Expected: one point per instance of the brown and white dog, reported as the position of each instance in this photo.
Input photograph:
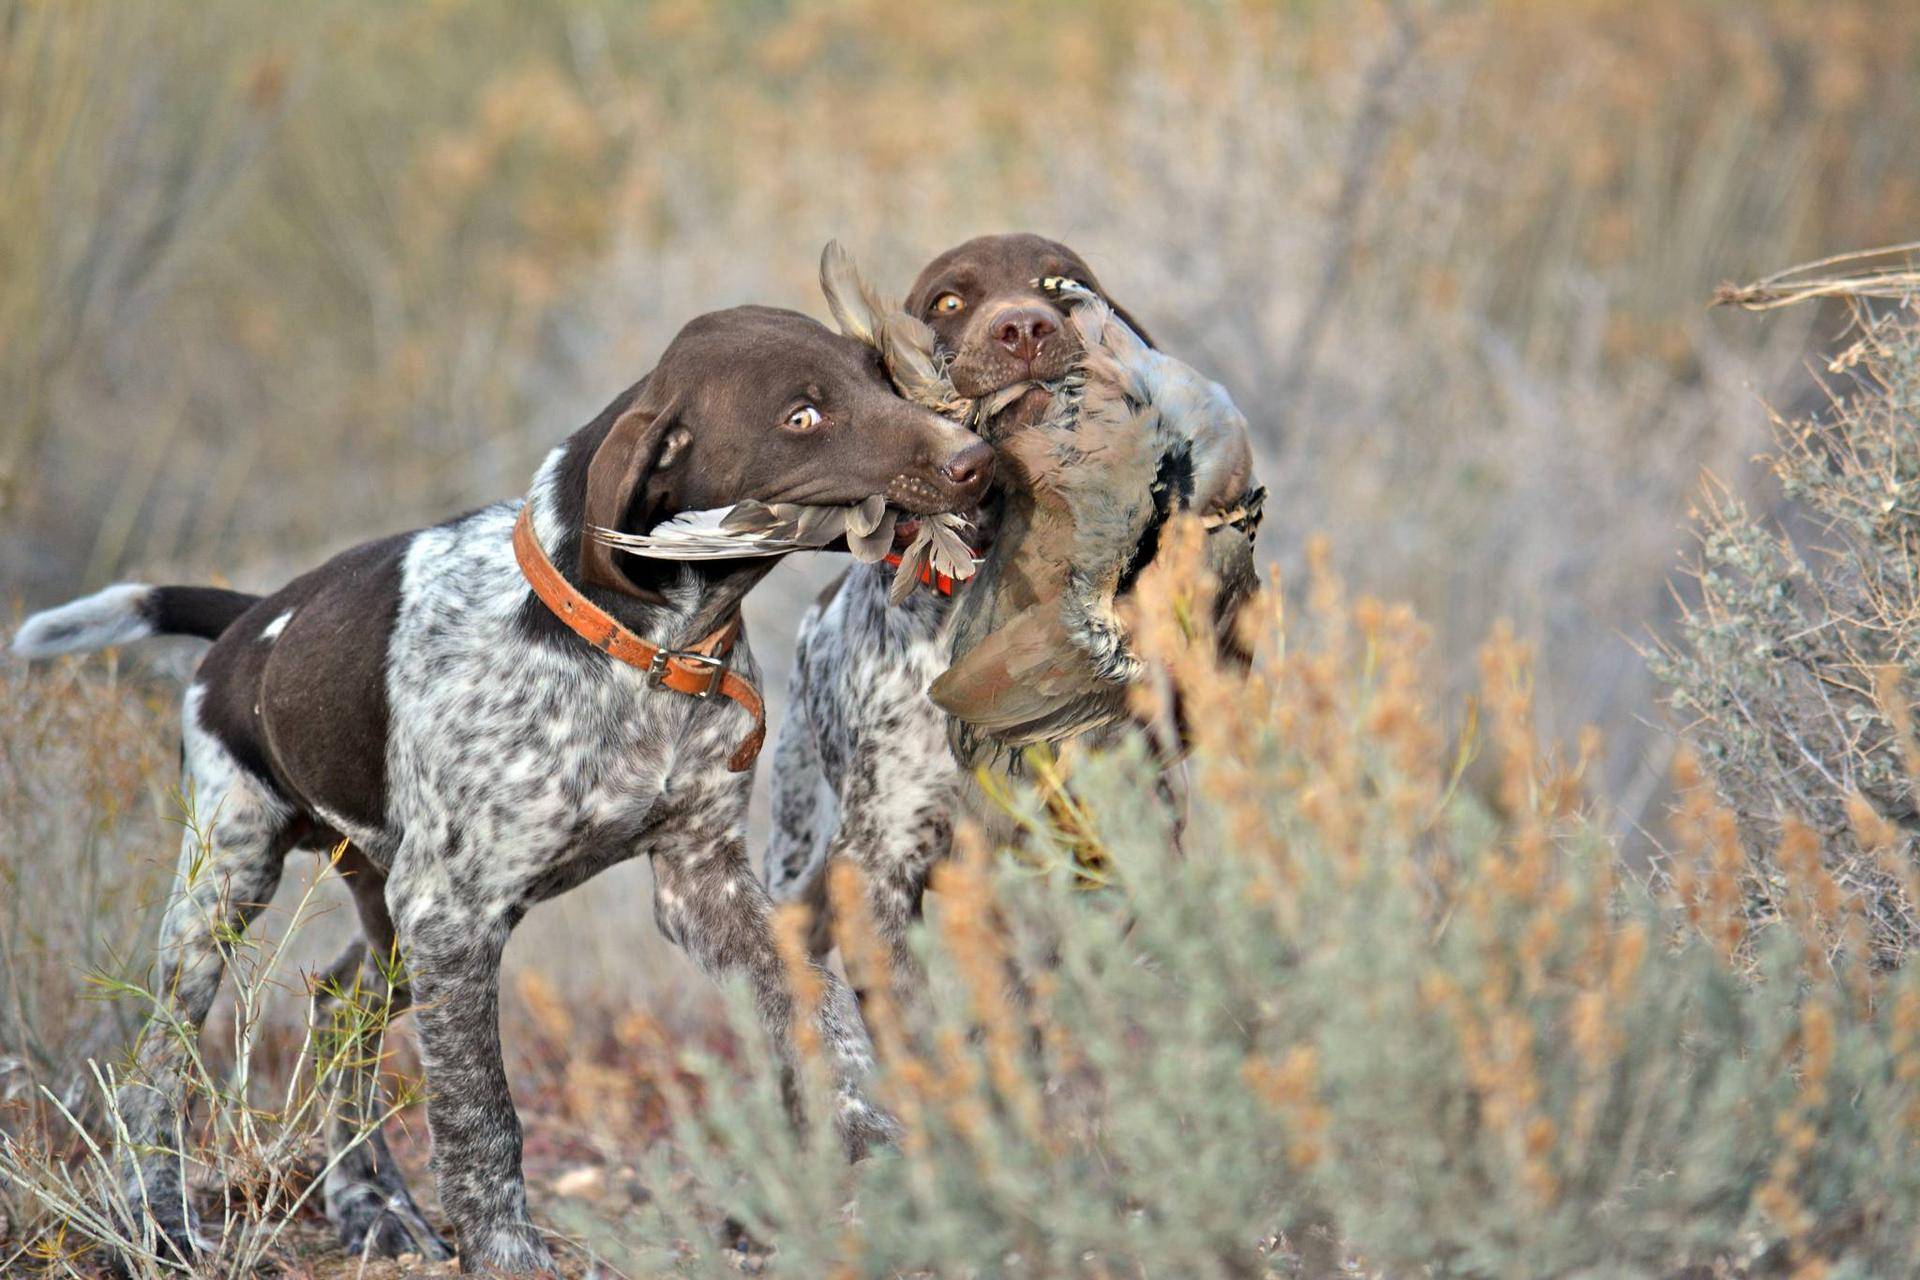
(862, 765)
(414, 698)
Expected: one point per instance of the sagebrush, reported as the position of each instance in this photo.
(1342, 1015)
(1797, 658)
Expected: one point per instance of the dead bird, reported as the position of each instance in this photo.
(871, 530)
(1129, 436)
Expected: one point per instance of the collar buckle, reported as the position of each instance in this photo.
(714, 668)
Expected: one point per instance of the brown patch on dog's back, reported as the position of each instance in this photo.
(324, 690)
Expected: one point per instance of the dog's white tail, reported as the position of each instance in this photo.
(119, 614)
(131, 611)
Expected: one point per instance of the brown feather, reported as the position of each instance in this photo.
(853, 304)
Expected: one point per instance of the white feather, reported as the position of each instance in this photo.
(750, 529)
(697, 535)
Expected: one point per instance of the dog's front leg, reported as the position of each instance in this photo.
(364, 1195)
(707, 899)
(898, 822)
(452, 954)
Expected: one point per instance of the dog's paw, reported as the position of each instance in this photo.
(165, 1228)
(863, 1127)
(513, 1249)
(375, 1221)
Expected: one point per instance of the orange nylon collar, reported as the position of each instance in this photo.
(929, 576)
(699, 672)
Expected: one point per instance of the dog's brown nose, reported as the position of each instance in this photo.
(971, 468)
(1022, 330)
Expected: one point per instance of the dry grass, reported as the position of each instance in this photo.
(255, 1157)
(273, 281)
(1887, 274)
(85, 769)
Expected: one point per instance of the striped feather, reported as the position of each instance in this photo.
(751, 528)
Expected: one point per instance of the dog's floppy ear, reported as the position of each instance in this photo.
(645, 439)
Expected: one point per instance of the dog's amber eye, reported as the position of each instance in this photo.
(948, 303)
(805, 418)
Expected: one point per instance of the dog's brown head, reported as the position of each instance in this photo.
(767, 404)
(985, 309)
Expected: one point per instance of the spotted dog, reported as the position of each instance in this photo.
(415, 699)
(861, 763)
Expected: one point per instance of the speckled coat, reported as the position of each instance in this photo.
(413, 702)
(861, 766)
(517, 763)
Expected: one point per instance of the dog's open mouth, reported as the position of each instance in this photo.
(1031, 405)
(1012, 408)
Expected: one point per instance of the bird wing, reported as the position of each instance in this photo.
(856, 308)
(906, 344)
(1026, 680)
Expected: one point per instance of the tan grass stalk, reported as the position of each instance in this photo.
(1886, 273)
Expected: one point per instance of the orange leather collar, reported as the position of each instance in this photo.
(699, 672)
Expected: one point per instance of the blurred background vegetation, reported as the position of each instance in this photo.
(275, 279)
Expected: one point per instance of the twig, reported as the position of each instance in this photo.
(1812, 280)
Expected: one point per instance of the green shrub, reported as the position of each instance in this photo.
(1793, 665)
(1343, 1013)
